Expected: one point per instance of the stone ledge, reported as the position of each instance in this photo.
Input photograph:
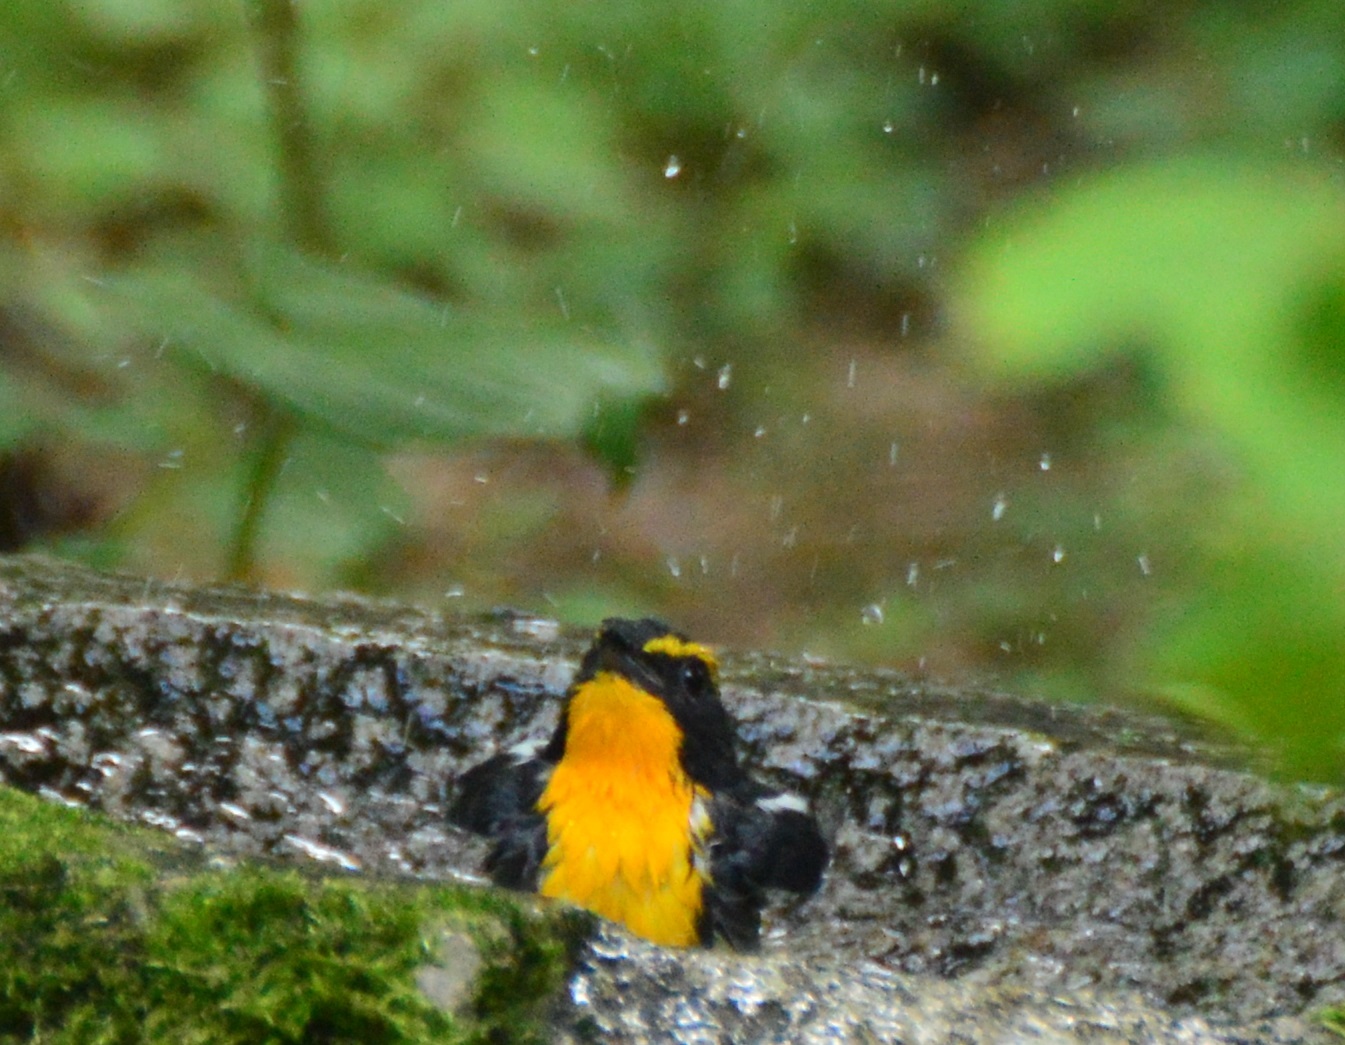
(1016, 858)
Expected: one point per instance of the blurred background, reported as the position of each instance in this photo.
(998, 340)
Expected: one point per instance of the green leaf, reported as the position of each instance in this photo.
(613, 436)
(1260, 649)
(1196, 258)
(1226, 279)
(373, 363)
(1211, 270)
(334, 507)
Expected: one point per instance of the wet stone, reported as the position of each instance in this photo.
(1004, 870)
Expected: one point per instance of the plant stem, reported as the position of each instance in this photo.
(267, 458)
(276, 23)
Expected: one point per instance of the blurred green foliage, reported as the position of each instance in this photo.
(1223, 280)
(976, 336)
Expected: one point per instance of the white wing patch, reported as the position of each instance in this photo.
(701, 828)
(782, 802)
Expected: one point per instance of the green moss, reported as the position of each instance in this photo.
(523, 971)
(109, 934)
(71, 925)
(1333, 1019)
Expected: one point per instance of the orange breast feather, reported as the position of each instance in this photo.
(619, 812)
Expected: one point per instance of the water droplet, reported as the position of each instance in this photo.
(544, 629)
(674, 567)
(725, 376)
(892, 456)
(1045, 462)
(1074, 112)
(1146, 568)
(673, 167)
(871, 614)
(912, 574)
(1058, 554)
(28, 743)
(793, 233)
(1000, 506)
(889, 126)
(454, 591)
(322, 853)
(905, 323)
(759, 431)
(534, 51)
(850, 374)
(160, 820)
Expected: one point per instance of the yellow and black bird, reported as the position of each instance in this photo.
(636, 808)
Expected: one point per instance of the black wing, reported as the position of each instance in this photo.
(498, 798)
(762, 840)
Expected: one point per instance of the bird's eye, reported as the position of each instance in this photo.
(695, 676)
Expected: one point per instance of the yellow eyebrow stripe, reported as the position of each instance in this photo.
(672, 646)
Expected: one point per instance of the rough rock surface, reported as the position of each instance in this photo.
(1004, 870)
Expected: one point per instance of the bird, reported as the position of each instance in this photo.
(637, 808)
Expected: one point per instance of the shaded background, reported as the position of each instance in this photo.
(998, 339)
